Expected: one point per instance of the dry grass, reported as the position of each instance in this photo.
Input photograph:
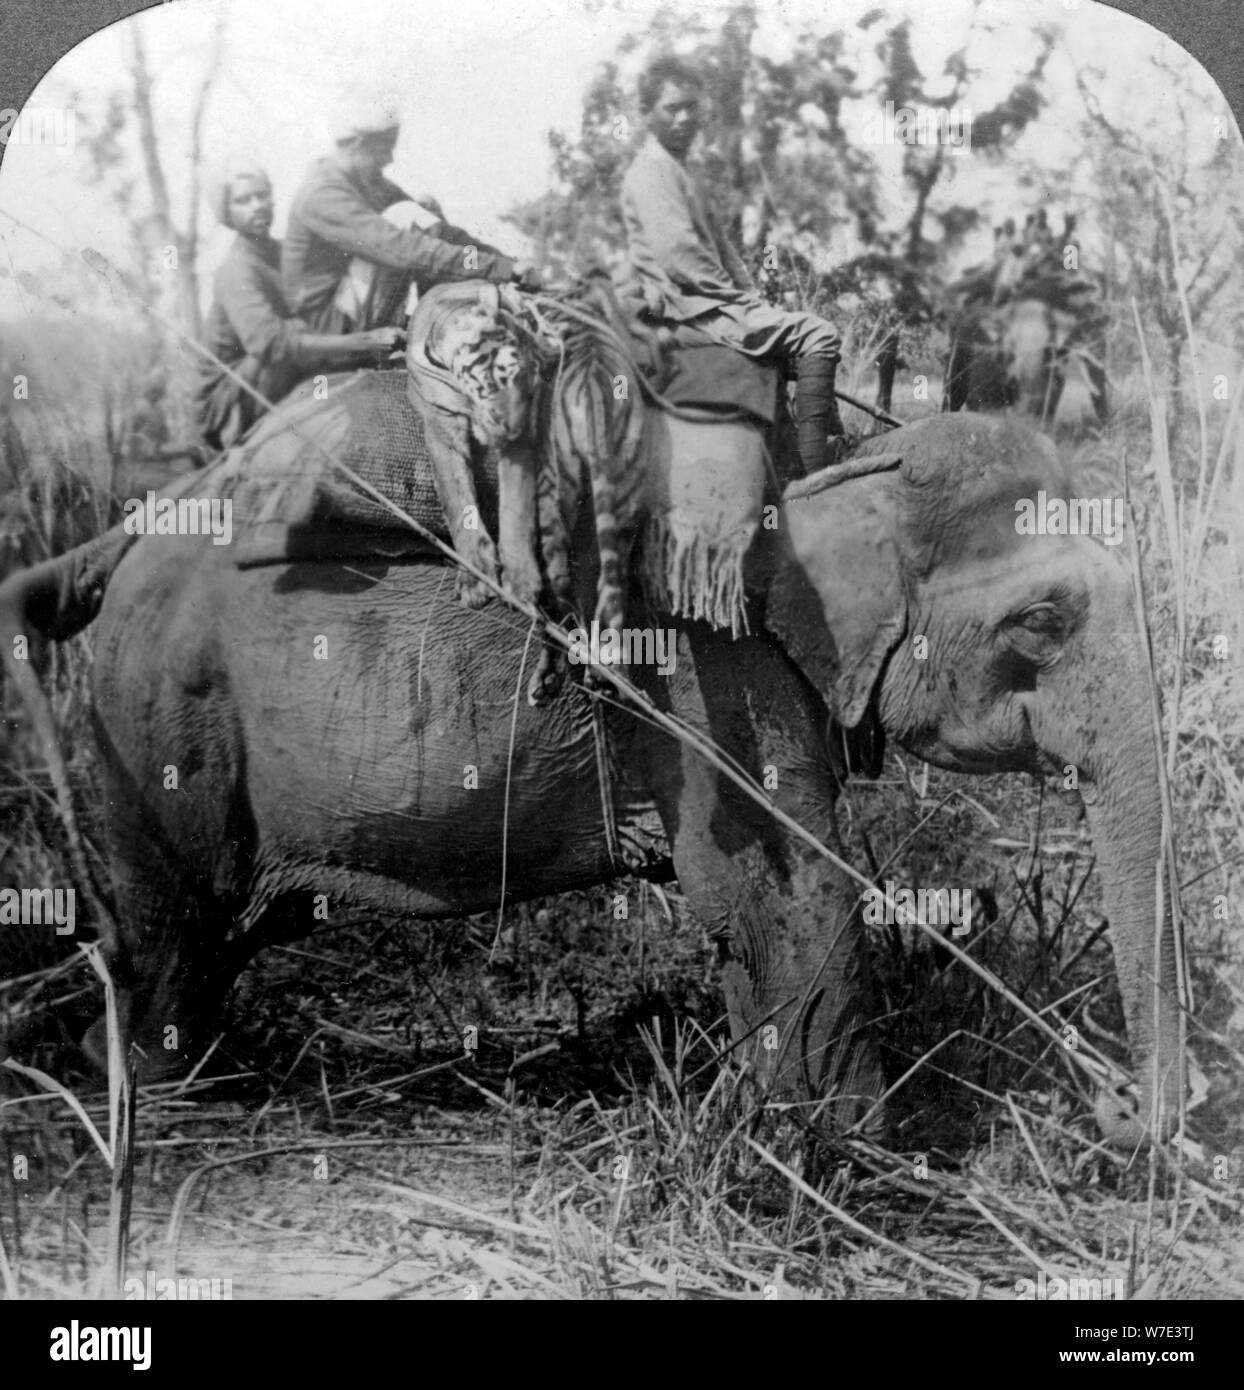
(678, 1186)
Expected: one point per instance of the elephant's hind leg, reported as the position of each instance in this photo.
(171, 968)
(177, 856)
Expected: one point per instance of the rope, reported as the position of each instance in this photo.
(605, 780)
(509, 771)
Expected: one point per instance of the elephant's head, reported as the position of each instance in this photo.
(911, 597)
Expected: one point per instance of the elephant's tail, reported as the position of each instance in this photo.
(54, 601)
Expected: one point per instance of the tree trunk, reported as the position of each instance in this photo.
(730, 80)
(170, 242)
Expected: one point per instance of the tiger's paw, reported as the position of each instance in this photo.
(474, 592)
(522, 579)
(548, 678)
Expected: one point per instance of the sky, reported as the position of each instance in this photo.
(479, 84)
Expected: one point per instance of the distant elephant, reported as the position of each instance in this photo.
(1019, 354)
(1022, 322)
(347, 735)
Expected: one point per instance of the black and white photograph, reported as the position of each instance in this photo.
(621, 661)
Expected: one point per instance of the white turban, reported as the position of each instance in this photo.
(365, 118)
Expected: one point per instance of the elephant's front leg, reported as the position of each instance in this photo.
(794, 962)
(449, 447)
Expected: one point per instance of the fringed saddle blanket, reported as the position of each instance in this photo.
(705, 504)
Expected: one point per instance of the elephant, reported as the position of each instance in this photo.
(320, 737)
(1019, 322)
(1018, 355)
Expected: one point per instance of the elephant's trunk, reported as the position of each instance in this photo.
(1101, 720)
(1128, 843)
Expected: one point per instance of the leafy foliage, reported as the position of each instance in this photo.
(780, 150)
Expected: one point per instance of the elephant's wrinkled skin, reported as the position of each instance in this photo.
(344, 776)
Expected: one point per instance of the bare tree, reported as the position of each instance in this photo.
(178, 249)
(1172, 226)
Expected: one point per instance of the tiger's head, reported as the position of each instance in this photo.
(493, 363)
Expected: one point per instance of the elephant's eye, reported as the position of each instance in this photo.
(1043, 619)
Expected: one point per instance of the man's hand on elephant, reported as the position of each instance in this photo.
(383, 343)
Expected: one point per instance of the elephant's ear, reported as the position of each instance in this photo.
(836, 601)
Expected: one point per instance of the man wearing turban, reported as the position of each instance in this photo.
(345, 264)
(249, 326)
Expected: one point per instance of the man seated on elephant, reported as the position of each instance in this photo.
(687, 273)
(249, 327)
(345, 263)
